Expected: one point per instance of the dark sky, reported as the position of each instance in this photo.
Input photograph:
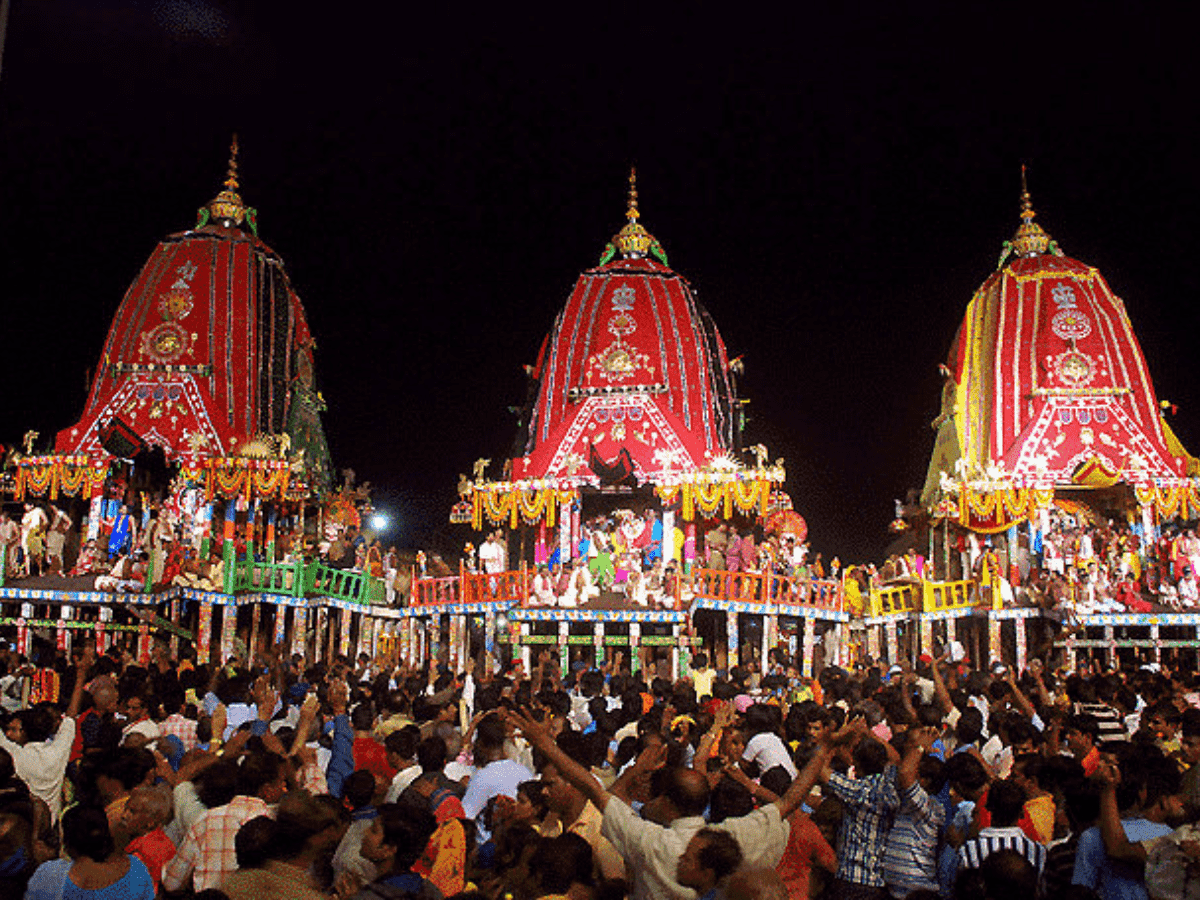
(835, 185)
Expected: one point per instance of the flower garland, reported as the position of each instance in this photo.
(50, 475)
(1170, 500)
(998, 509)
(229, 477)
(744, 496)
(516, 505)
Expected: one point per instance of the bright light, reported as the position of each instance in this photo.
(379, 521)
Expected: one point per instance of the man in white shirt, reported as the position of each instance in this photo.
(42, 745)
(652, 851)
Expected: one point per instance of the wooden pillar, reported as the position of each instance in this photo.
(433, 648)
(228, 550)
(1070, 651)
(320, 621)
(456, 642)
(1110, 646)
(100, 646)
(63, 635)
(406, 640)
(489, 632)
(732, 638)
(228, 630)
(347, 617)
(1022, 643)
(204, 632)
(893, 649)
(174, 610)
(926, 634)
(1157, 644)
(143, 643)
(251, 516)
(255, 624)
(564, 648)
(564, 533)
(951, 631)
(873, 641)
(279, 635)
(675, 653)
(269, 537)
(809, 642)
(635, 640)
(994, 648)
(204, 524)
(598, 643)
(300, 630)
(524, 646)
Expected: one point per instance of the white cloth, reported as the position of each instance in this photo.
(402, 780)
(42, 766)
(651, 852)
(768, 751)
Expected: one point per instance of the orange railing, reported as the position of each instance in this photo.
(503, 587)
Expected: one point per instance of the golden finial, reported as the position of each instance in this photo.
(633, 240)
(632, 213)
(1030, 239)
(228, 204)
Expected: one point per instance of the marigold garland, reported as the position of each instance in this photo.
(516, 505)
(50, 476)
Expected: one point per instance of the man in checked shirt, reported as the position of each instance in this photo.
(871, 800)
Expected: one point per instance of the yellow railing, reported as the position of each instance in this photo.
(940, 596)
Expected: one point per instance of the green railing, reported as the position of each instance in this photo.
(269, 578)
(300, 579)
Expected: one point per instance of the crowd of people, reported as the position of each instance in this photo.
(278, 777)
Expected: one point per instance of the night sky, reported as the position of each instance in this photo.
(834, 185)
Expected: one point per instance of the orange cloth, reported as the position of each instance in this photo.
(806, 848)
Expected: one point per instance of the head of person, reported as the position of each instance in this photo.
(756, 883)
(966, 775)
(710, 857)
(1005, 801)
(558, 862)
(490, 735)
(397, 837)
(148, 808)
(1007, 875)
(1081, 733)
(870, 757)
(305, 827)
(86, 834)
(262, 775)
(682, 793)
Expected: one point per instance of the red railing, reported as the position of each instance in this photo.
(707, 584)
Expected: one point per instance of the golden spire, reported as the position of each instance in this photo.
(228, 204)
(1030, 239)
(633, 240)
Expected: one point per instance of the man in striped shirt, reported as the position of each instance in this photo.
(1005, 801)
(910, 858)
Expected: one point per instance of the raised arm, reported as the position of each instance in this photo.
(919, 742)
(540, 737)
(813, 772)
(1116, 842)
(941, 696)
(81, 670)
